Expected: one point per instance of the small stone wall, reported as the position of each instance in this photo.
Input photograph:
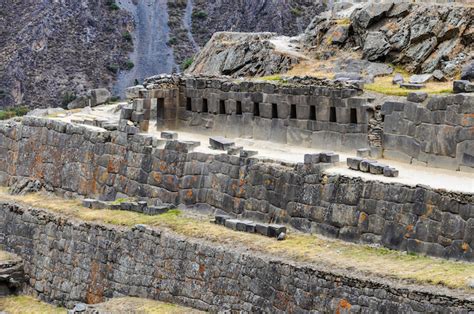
(439, 134)
(69, 262)
(77, 160)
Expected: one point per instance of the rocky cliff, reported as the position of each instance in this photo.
(53, 50)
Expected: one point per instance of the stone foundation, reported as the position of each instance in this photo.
(69, 262)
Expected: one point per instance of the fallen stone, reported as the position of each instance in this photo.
(463, 86)
(420, 78)
(376, 46)
(275, 230)
(364, 165)
(248, 153)
(79, 102)
(329, 157)
(390, 172)
(412, 86)
(468, 72)
(169, 135)
(346, 76)
(354, 163)
(417, 97)
(221, 219)
(234, 150)
(376, 168)
(281, 236)
(363, 152)
(79, 308)
(99, 96)
(232, 223)
(100, 205)
(397, 79)
(439, 76)
(156, 210)
(312, 159)
(340, 34)
(262, 229)
(220, 143)
(88, 202)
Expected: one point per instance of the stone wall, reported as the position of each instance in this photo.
(323, 114)
(439, 134)
(69, 262)
(76, 159)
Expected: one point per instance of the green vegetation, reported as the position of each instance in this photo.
(13, 112)
(114, 68)
(200, 14)
(172, 41)
(129, 65)
(380, 262)
(384, 85)
(187, 63)
(274, 78)
(27, 304)
(296, 11)
(68, 97)
(112, 5)
(136, 82)
(127, 36)
(343, 22)
(114, 99)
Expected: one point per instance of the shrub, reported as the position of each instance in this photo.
(200, 14)
(129, 65)
(114, 99)
(172, 41)
(68, 97)
(114, 68)
(127, 36)
(112, 5)
(296, 11)
(13, 112)
(187, 63)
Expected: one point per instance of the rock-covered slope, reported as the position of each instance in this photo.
(419, 37)
(51, 50)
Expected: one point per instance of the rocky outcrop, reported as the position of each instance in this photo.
(420, 37)
(53, 51)
(242, 54)
(11, 274)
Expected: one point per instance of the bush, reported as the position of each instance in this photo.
(114, 99)
(296, 12)
(129, 65)
(127, 36)
(114, 68)
(200, 14)
(187, 63)
(13, 112)
(172, 41)
(112, 5)
(68, 97)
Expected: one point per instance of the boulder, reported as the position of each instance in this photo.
(420, 78)
(412, 86)
(340, 34)
(439, 76)
(133, 92)
(397, 79)
(347, 76)
(354, 163)
(468, 72)
(79, 102)
(371, 13)
(463, 86)
(169, 135)
(376, 46)
(99, 96)
(220, 143)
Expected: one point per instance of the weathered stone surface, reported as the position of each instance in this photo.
(412, 86)
(354, 163)
(220, 143)
(99, 96)
(169, 135)
(420, 79)
(376, 46)
(417, 97)
(463, 86)
(397, 79)
(468, 72)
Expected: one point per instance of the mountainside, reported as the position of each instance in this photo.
(52, 50)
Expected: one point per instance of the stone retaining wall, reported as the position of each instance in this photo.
(76, 159)
(439, 134)
(69, 262)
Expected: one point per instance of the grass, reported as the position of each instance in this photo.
(379, 262)
(13, 112)
(187, 63)
(273, 78)
(5, 256)
(343, 22)
(384, 85)
(26, 304)
(136, 305)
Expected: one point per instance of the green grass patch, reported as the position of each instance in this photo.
(383, 85)
(187, 63)
(127, 36)
(13, 112)
(200, 14)
(129, 65)
(296, 12)
(27, 304)
(273, 78)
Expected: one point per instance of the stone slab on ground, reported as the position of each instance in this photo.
(220, 143)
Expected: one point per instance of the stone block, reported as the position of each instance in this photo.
(329, 157)
(364, 165)
(234, 150)
(169, 135)
(463, 86)
(376, 168)
(126, 113)
(220, 143)
(420, 78)
(417, 97)
(99, 96)
(390, 172)
(312, 158)
(275, 230)
(157, 210)
(363, 152)
(138, 116)
(232, 223)
(262, 229)
(88, 202)
(354, 163)
(221, 219)
(248, 153)
(412, 86)
(250, 226)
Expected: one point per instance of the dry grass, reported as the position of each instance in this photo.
(142, 306)
(384, 85)
(299, 247)
(5, 256)
(26, 304)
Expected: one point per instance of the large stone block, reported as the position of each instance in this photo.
(99, 96)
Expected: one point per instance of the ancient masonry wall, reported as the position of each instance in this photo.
(69, 262)
(75, 159)
(439, 134)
